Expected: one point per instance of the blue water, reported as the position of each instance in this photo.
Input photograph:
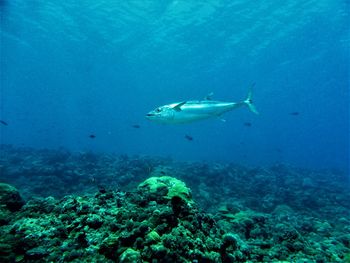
(70, 69)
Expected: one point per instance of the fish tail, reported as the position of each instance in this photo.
(249, 101)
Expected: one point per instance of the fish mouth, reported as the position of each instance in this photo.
(149, 115)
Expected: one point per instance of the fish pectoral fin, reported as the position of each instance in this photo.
(208, 97)
(220, 118)
(177, 107)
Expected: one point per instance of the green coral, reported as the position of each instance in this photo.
(167, 187)
(152, 237)
(130, 255)
(347, 258)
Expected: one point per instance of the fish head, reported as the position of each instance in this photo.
(163, 114)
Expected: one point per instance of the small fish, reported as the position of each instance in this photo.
(92, 136)
(294, 113)
(136, 126)
(195, 110)
(188, 137)
(4, 122)
(247, 124)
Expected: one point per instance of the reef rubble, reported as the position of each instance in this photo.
(89, 207)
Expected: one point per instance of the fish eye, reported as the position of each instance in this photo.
(158, 110)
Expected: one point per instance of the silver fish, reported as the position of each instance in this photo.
(195, 110)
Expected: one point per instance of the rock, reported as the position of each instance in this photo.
(5, 217)
(94, 221)
(109, 245)
(10, 198)
(159, 251)
(230, 240)
(6, 249)
(308, 183)
(36, 253)
(130, 256)
(152, 237)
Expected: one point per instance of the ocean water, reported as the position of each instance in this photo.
(69, 70)
(86, 177)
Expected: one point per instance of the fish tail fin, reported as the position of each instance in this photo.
(249, 101)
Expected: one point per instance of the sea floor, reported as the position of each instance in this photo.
(58, 206)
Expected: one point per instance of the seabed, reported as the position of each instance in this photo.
(58, 206)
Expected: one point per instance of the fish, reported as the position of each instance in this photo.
(247, 124)
(294, 113)
(188, 137)
(92, 136)
(136, 126)
(4, 122)
(195, 110)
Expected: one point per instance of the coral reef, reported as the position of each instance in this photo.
(166, 186)
(84, 207)
(113, 226)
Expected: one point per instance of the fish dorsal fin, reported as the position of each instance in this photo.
(177, 107)
(208, 97)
